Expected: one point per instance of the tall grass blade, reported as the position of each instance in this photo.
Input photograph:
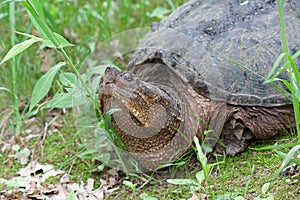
(7, 90)
(202, 158)
(14, 67)
(275, 146)
(287, 160)
(294, 71)
(272, 74)
(276, 87)
(39, 22)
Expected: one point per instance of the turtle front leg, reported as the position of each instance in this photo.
(245, 124)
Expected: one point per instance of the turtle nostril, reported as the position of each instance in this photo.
(108, 69)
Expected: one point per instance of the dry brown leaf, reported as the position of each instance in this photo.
(38, 172)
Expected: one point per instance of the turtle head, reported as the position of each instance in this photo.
(145, 110)
(156, 120)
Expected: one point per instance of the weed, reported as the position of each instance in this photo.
(293, 84)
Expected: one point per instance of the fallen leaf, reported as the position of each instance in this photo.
(35, 170)
(65, 178)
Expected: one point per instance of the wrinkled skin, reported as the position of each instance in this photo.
(159, 115)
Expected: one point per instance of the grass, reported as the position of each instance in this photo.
(85, 24)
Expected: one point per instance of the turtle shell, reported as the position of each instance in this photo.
(224, 48)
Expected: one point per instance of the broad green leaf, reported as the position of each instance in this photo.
(88, 154)
(104, 158)
(62, 41)
(43, 85)
(101, 167)
(171, 4)
(19, 48)
(129, 184)
(95, 84)
(145, 196)
(67, 79)
(200, 176)
(16, 147)
(182, 181)
(71, 196)
(160, 12)
(265, 188)
(67, 100)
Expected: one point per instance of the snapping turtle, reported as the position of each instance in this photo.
(185, 78)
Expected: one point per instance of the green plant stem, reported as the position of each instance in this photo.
(46, 30)
(285, 47)
(91, 95)
(12, 22)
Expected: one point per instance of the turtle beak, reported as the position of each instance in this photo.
(110, 75)
(107, 85)
(108, 81)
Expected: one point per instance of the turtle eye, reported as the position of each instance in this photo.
(127, 76)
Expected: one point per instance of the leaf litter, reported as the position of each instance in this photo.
(30, 184)
(31, 181)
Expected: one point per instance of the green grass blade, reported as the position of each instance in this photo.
(285, 47)
(7, 90)
(273, 70)
(294, 69)
(283, 155)
(276, 146)
(43, 85)
(280, 90)
(107, 121)
(19, 48)
(287, 84)
(201, 157)
(287, 160)
(11, 1)
(67, 100)
(182, 181)
(296, 55)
